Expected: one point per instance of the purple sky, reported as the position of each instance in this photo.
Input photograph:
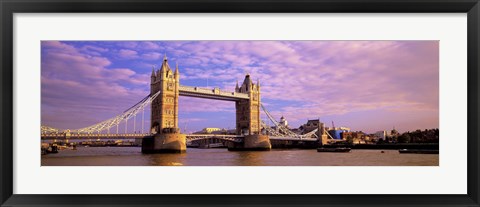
(364, 85)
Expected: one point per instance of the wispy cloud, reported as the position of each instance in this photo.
(128, 54)
(152, 56)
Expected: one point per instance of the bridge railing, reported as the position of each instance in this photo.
(214, 91)
(292, 138)
(213, 135)
(233, 138)
(73, 136)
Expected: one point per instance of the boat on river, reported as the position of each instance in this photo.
(418, 151)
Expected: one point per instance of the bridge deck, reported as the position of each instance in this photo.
(190, 137)
(215, 93)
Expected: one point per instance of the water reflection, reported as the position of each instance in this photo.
(255, 158)
(167, 159)
(132, 156)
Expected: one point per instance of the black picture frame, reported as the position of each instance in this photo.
(10, 7)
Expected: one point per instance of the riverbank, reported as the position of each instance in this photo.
(429, 146)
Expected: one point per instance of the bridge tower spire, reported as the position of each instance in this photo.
(177, 74)
(153, 75)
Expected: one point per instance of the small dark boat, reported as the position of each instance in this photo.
(418, 151)
(340, 149)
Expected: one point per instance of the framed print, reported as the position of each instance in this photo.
(200, 103)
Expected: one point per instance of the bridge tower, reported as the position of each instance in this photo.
(164, 113)
(248, 117)
(248, 111)
(164, 109)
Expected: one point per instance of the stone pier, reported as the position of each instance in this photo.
(255, 142)
(165, 143)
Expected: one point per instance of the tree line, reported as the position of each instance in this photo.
(418, 136)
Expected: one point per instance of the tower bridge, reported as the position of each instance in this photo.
(164, 111)
(164, 133)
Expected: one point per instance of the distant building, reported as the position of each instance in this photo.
(283, 122)
(310, 125)
(387, 135)
(355, 137)
(345, 129)
(210, 130)
(225, 131)
(336, 134)
(381, 135)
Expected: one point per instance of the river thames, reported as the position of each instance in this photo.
(132, 156)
